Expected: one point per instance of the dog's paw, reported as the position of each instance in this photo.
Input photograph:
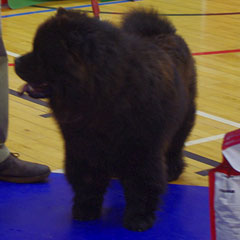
(85, 214)
(139, 223)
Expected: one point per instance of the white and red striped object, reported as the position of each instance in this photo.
(224, 187)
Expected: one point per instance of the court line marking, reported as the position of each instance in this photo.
(216, 137)
(203, 173)
(28, 98)
(160, 14)
(216, 52)
(200, 158)
(12, 54)
(218, 119)
(50, 9)
(76, 7)
(199, 14)
(204, 140)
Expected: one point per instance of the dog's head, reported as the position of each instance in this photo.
(60, 47)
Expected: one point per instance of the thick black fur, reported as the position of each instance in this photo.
(124, 100)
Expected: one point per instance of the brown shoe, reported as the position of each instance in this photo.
(18, 171)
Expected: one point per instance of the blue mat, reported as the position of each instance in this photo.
(43, 211)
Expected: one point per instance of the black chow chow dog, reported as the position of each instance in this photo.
(124, 99)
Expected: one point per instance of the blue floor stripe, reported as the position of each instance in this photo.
(51, 10)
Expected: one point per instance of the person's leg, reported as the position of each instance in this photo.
(4, 152)
(12, 169)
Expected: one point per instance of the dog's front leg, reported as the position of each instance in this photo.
(89, 186)
(87, 202)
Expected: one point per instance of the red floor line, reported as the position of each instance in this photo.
(216, 52)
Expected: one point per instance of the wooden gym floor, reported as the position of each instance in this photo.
(211, 28)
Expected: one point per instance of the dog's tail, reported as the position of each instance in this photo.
(147, 23)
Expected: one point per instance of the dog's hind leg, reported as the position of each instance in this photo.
(143, 182)
(174, 156)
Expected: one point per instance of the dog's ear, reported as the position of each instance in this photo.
(61, 11)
